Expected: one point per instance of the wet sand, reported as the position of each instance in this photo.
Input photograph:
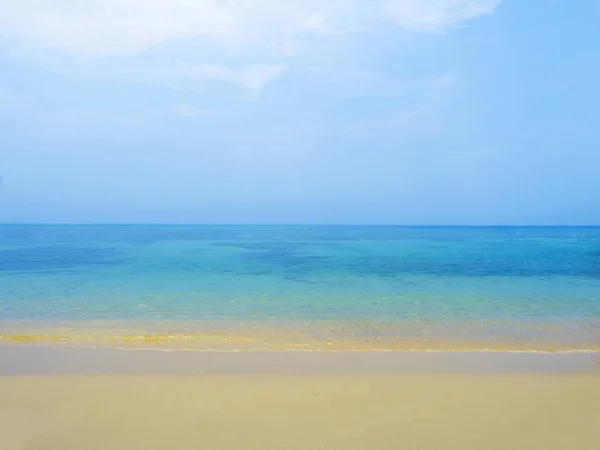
(566, 335)
(29, 359)
(78, 399)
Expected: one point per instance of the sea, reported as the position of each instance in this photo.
(317, 288)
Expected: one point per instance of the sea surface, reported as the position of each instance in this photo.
(301, 287)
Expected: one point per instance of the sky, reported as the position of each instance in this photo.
(408, 112)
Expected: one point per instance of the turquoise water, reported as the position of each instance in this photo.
(232, 277)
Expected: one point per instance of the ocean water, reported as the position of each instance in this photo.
(302, 287)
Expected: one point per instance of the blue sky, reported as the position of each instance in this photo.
(300, 111)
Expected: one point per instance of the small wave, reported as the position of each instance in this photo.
(325, 350)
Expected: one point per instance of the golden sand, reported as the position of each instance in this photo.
(268, 412)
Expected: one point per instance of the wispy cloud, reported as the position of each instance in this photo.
(188, 110)
(188, 77)
(436, 15)
(116, 27)
(241, 42)
(253, 77)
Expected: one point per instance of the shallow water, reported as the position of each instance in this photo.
(302, 286)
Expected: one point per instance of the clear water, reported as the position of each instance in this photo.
(381, 282)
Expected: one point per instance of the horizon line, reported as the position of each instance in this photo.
(299, 225)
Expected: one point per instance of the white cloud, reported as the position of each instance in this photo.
(316, 22)
(124, 27)
(244, 42)
(115, 27)
(436, 15)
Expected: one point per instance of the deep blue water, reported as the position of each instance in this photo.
(298, 273)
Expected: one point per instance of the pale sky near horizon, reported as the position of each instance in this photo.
(300, 111)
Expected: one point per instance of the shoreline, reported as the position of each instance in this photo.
(514, 336)
(65, 360)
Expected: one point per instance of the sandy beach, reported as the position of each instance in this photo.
(310, 412)
(265, 401)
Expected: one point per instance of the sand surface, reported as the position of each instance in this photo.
(269, 412)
